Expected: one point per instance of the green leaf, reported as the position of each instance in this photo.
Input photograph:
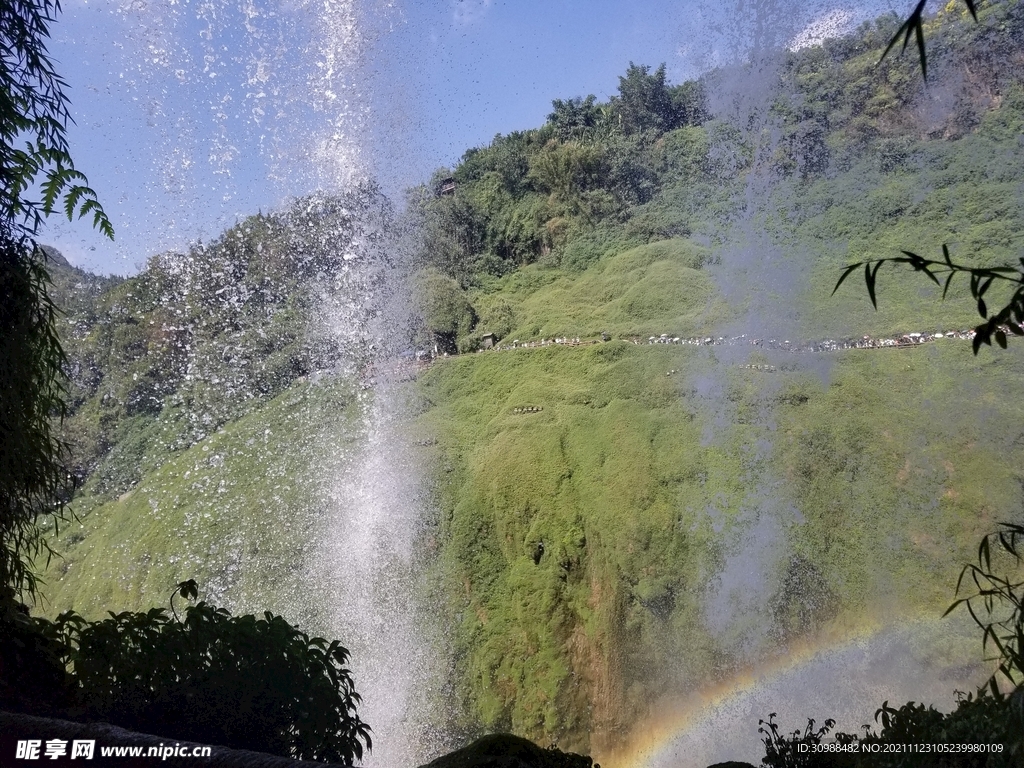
(945, 288)
(919, 30)
(869, 278)
(913, 24)
(846, 274)
(953, 607)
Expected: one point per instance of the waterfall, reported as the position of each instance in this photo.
(227, 108)
(371, 577)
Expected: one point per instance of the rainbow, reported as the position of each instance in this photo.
(691, 732)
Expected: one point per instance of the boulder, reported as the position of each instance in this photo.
(503, 750)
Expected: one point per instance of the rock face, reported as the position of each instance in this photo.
(503, 750)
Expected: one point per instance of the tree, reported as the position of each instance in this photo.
(644, 102)
(237, 681)
(575, 118)
(211, 677)
(34, 152)
(445, 310)
(566, 169)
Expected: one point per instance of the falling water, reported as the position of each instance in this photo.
(372, 576)
(369, 562)
(249, 105)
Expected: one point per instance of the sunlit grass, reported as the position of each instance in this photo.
(238, 512)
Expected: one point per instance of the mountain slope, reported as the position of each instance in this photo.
(240, 511)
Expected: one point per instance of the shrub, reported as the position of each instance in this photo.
(235, 681)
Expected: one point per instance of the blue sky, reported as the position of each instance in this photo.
(191, 114)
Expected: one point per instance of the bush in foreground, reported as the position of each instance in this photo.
(235, 681)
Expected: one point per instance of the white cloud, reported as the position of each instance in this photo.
(835, 23)
(469, 11)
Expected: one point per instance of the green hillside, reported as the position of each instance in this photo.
(239, 512)
(639, 292)
(597, 493)
(592, 503)
(887, 477)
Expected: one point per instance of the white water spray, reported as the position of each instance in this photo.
(372, 578)
(248, 105)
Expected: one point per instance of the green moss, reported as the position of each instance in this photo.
(650, 289)
(632, 483)
(238, 512)
(575, 537)
(900, 465)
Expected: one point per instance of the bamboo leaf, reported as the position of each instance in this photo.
(905, 30)
(846, 274)
(869, 279)
(945, 289)
(919, 30)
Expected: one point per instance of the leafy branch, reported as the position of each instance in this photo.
(34, 108)
(34, 153)
(1002, 631)
(914, 25)
(782, 751)
(1009, 317)
(188, 590)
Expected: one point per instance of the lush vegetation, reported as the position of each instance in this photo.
(858, 160)
(181, 478)
(240, 511)
(164, 359)
(590, 498)
(581, 541)
(144, 670)
(592, 493)
(243, 682)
